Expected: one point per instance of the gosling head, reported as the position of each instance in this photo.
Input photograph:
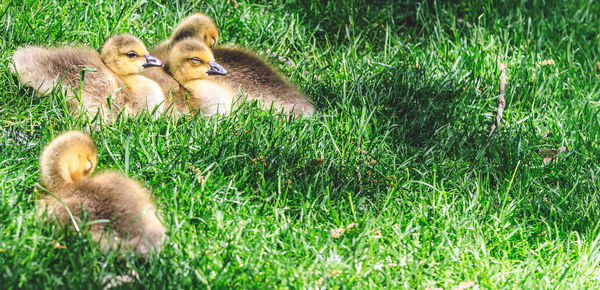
(199, 26)
(67, 159)
(126, 54)
(190, 59)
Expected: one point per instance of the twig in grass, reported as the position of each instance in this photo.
(501, 100)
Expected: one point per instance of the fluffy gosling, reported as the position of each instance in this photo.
(112, 73)
(66, 167)
(191, 63)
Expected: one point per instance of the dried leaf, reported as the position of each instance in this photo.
(350, 226)
(317, 161)
(331, 273)
(550, 154)
(199, 176)
(259, 160)
(336, 232)
(466, 285)
(546, 62)
(335, 272)
(119, 280)
(376, 233)
(320, 281)
(58, 245)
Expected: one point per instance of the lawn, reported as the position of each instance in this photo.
(393, 183)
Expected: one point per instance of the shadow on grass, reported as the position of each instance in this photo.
(335, 21)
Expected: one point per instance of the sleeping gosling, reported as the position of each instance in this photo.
(66, 167)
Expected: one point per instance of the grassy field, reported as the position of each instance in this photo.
(398, 154)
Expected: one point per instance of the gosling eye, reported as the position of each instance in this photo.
(213, 41)
(196, 60)
(131, 54)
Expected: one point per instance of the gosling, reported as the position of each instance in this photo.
(197, 25)
(66, 167)
(176, 96)
(191, 63)
(113, 73)
(247, 71)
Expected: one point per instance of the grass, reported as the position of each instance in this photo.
(405, 92)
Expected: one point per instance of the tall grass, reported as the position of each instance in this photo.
(398, 152)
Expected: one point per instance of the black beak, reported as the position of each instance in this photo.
(152, 61)
(216, 69)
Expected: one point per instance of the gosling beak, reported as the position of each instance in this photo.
(152, 61)
(216, 69)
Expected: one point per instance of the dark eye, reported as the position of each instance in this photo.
(131, 54)
(196, 60)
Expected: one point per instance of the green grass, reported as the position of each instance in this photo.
(406, 82)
